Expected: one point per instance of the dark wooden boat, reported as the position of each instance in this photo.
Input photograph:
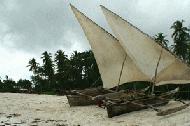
(80, 100)
(85, 97)
(122, 106)
(93, 96)
(116, 108)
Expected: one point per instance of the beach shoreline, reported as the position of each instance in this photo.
(51, 110)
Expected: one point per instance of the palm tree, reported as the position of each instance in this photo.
(76, 66)
(181, 38)
(48, 70)
(33, 66)
(62, 69)
(91, 69)
(61, 61)
(160, 38)
(48, 66)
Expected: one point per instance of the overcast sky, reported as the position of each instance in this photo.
(29, 27)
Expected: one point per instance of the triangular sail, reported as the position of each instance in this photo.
(109, 54)
(145, 52)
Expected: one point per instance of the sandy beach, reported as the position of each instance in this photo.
(47, 110)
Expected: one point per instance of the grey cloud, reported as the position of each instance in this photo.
(36, 25)
(151, 16)
(28, 27)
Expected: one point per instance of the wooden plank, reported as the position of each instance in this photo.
(172, 110)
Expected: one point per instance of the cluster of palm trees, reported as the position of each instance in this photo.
(78, 71)
(181, 39)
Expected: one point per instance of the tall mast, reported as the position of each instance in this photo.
(155, 75)
(121, 72)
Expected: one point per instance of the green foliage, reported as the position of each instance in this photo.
(62, 62)
(160, 38)
(77, 72)
(181, 39)
(48, 66)
(8, 85)
(24, 84)
(33, 66)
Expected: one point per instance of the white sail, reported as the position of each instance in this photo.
(176, 73)
(109, 54)
(145, 52)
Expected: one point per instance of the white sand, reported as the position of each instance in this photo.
(47, 110)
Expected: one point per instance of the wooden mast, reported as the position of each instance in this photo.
(155, 75)
(121, 72)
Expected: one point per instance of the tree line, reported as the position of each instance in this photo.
(80, 70)
(59, 73)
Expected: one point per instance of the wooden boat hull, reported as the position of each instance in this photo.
(80, 100)
(84, 97)
(92, 97)
(116, 109)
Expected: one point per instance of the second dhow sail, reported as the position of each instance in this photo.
(109, 54)
(145, 52)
